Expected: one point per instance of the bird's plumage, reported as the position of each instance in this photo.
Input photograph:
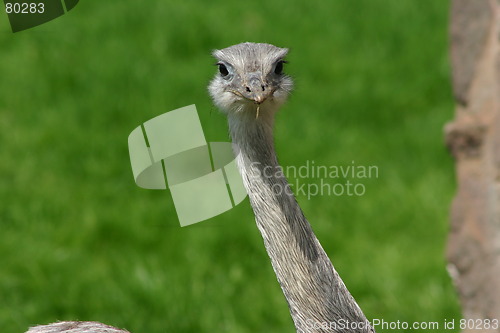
(317, 297)
(249, 88)
(76, 327)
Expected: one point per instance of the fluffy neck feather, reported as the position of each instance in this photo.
(314, 291)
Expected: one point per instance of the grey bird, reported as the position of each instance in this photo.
(249, 87)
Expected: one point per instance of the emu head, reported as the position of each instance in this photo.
(250, 77)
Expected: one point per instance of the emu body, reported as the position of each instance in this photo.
(249, 88)
(317, 297)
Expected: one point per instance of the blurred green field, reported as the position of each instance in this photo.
(78, 239)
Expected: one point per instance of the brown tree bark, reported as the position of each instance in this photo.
(474, 140)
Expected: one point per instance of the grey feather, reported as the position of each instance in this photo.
(318, 299)
(250, 94)
(75, 327)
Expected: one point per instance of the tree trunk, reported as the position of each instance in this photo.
(474, 140)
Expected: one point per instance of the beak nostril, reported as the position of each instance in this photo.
(248, 89)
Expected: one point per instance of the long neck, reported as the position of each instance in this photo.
(317, 297)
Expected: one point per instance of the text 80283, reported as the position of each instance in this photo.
(25, 8)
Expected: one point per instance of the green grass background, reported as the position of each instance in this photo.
(78, 239)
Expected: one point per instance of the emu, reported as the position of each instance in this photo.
(249, 88)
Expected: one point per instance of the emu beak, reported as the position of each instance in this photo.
(255, 89)
(259, 94)
(260, 98)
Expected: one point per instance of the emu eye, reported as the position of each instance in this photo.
(279, 67)
(223, 69)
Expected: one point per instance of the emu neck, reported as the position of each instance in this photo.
(317, 297)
